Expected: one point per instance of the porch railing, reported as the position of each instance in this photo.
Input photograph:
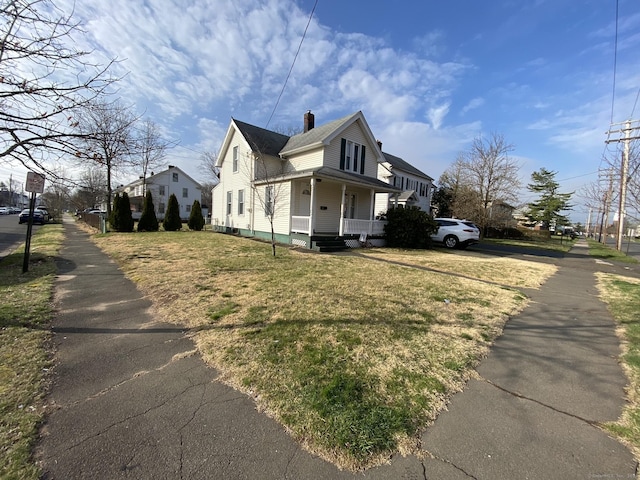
(371, 227)
(301, 225)
(351, 226)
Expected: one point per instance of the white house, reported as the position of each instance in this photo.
(317, 189)
(417, 187)
(162, 185)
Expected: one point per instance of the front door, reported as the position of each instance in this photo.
(350, 205)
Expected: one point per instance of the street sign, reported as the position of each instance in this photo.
(35, 182)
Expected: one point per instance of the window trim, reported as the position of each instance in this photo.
(234, 159)
(352, 156)
(241, 202)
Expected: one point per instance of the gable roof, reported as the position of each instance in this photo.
(316, 136)
(260, 139)
(151, 178)
(400, 164)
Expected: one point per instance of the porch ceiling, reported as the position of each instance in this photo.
(336, 175)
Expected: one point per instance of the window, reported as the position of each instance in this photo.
(268, 201)
(235, 159)
(188, 208)
(229, 198)
(161, 190)
(240, 202)
(161, 208)
(185, 193)
(175, 176)
(352, 156)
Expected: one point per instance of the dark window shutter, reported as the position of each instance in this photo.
(362, 160)
(343, 147)
(355, 157)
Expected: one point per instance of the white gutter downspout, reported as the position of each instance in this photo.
(372, 211)
(312, 207)
(342, 207)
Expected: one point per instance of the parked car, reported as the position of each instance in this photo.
(38, 217)
(45, 213)
(5, 211)
(456, 233)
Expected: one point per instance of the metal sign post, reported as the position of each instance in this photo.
(35, 184)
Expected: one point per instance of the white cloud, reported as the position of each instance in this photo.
(436, 115)
(473, 104)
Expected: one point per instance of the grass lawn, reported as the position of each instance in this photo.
(354, 354)
(25, 312)
(555, 242)
(600, 250)
(622, 295)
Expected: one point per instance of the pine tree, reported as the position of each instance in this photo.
(148, 221)
(196, 220)
(124, 212)
(172, 221)
(546, 210)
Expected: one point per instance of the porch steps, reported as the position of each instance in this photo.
(328, 244)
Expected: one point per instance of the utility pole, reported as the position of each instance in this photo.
(606, 205)
(624, 171)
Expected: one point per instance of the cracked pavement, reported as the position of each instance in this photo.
(131, 398)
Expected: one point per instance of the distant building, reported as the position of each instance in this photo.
(162, 185)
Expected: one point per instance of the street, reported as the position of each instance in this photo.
(12, 234)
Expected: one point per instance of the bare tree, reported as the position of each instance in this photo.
(269, 189)
(108, 138)
(91, 188)
(211, 175)
(43, 82)
(150, 150)
(57, 195)
(464, 200)
(485, 175)
(265, 173)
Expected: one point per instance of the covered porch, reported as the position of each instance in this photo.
(330, 202)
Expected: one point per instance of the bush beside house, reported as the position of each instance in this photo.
(409, 227)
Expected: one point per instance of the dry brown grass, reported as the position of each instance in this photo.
(288, 329)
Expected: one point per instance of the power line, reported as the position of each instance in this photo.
(615, 62)
(304, 34)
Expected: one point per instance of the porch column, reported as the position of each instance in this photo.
(372, 212)
(312, 207)
(342, 207)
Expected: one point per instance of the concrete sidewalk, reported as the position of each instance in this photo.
(132, 399)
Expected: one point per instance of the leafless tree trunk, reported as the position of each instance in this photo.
(44, 80)
(209, 169)
(269, 189)
(481, 176)
(91, 189)
(150, 150)
(108, 138)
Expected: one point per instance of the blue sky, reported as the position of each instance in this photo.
(429, 76)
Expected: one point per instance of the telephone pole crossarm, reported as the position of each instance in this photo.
(624, 168)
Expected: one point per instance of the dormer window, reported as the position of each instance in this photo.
(352, 156)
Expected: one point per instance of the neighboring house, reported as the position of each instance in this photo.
(502, 215)
(162, 185)
(318, 186)
(417, 187)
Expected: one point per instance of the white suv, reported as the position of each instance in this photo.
(456, 233)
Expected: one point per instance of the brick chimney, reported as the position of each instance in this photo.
(309, 121)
